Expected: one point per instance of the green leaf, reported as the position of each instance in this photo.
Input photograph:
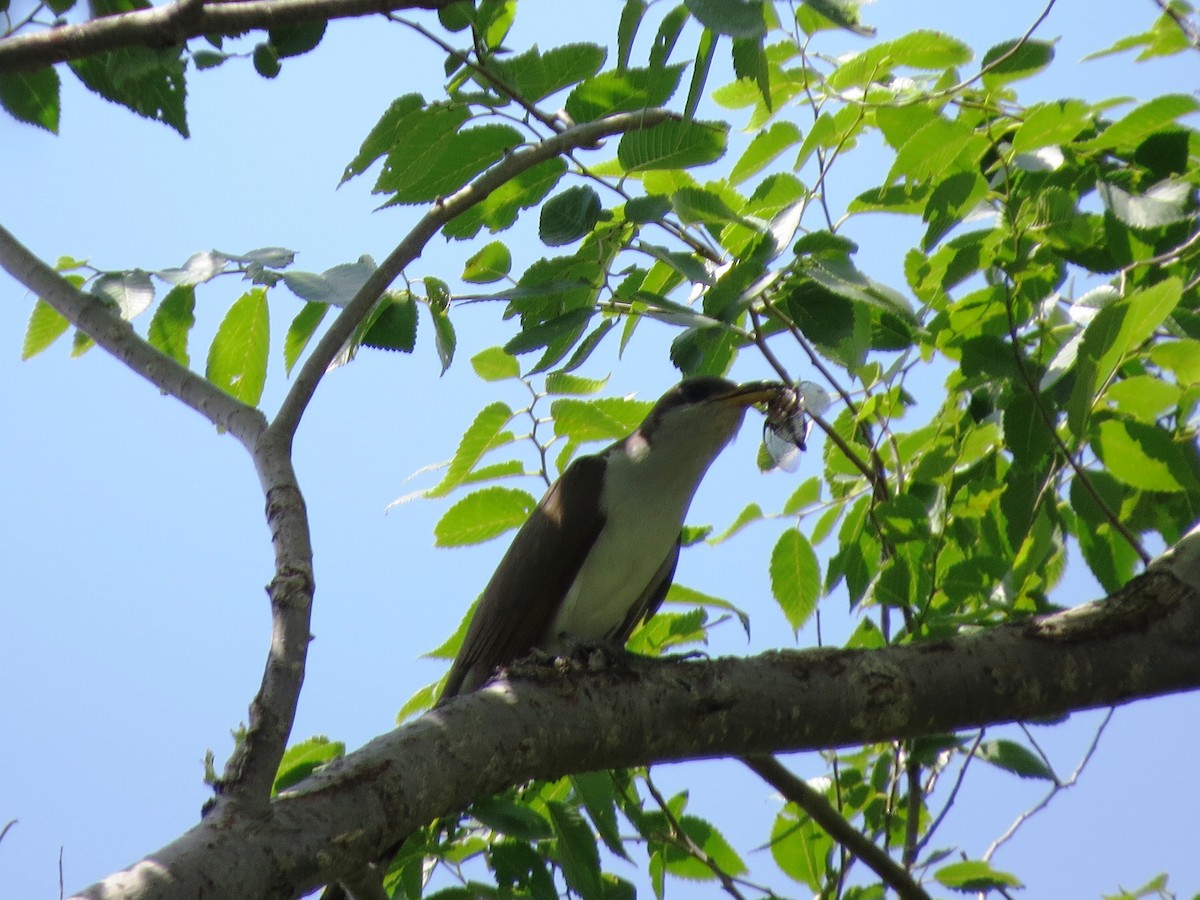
(486, 433)
(208, 59)
(808, 494)
(1015, 758)
(433, 156)
(1137, 125)
(736, 18)
(975, 875)
(1025, 432)
(393, 324)
(1014, 60)
(149, 82)
(795, 577)
(384, 135)
(934, 149)
(814, 15)
(569, 216)
(237, 359)
(490, 264)
(1142, 456)
(544, 334)
(536, 75)
(672, 145)
(563, 383)
(575, 851)
(1181, 357)
(514, 819)
(499, 210)
(293, 40)
(1051, 124)
(625, 90)
(751, 513)
(494, 364)
(301, 331)
(483, 515)
(45, 327)
(801, 848)
(684, 864)
(301, 760)
(598, 795)
(336, 286)
(32, 97)
(764, 149)
(172, 323)
(903, 518)
(604, 419)
(444, 338)
(266, 60)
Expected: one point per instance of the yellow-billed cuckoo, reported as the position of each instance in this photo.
(598, 553)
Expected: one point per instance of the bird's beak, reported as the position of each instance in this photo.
(752, 393)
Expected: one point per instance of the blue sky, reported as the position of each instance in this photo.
(133, 552)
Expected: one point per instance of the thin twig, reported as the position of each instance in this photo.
(958, 783)
(1054, 791)
(835, 825)
(330, 344)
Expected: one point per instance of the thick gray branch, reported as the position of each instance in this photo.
(174, 23)
(541, 723)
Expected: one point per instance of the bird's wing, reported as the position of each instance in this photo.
(533, 577)
(652, 597)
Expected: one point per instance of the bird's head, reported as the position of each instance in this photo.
(697, 417)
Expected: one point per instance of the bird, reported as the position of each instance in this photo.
(598, 553)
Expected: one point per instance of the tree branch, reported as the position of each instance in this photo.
(813, 802)
(541, 723)
(117, 337)
(174, 23)
(331, 343)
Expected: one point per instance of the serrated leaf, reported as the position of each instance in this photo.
(569, 216)
(384, 135)
(514, 819)
(491, 263)
(1141, 456)
(536, 75)
(751, 513)
(150, 82)
(485, 433)
(172, 323)
(433, 155)
(1015, 758)
(575, 850)
(301, 760)
(626, 90)
(804, 496)
(131, 292)
(266, 60)
(1048, 124)
(301, 331)
(294, 40)
(483, 515)
(795, 577)
(736, 18)
(494, 364)
(1014, 60)
(975, 875)
(672, 145)
(237, 358)
(605, 419)
(499, 209)
(764, 149)
(562, 383)
(686, 596)
(393, 324)
(547, 333)
(45, 327)
(1137, 125)
(32, 97)
(598, 795)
